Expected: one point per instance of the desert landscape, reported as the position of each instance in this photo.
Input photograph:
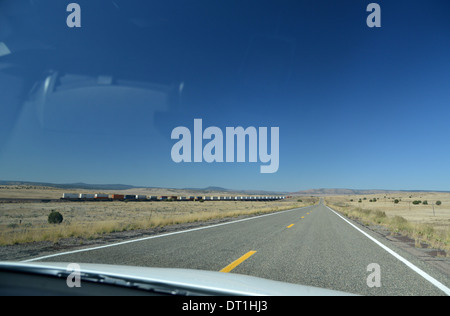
(26, 221)
(24, 211)
(422, 216)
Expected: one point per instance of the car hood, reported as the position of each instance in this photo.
(191, 280)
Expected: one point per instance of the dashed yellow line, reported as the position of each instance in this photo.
(234, 264)
(290, 226)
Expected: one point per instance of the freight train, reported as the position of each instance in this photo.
(139, 197)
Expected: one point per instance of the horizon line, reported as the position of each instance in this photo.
(213, 187)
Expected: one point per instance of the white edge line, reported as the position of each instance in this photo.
(158, 236)
(422, 273)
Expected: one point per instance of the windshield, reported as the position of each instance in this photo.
(303, 142)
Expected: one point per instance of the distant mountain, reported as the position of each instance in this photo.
(79, 185)
(352, 192)
(86, 186)
(220, 189)
(211, 189)
(339, 192)
(207, 189)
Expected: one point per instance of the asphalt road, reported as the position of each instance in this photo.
(310, 246)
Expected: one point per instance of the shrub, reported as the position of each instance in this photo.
(396, 201)
(425, 202)
(55, 217)
(416, 202)
(424, 230)
(399, 224)
(438, 202)
(380, 214)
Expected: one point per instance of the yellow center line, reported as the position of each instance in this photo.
(290, 226)
(303, 216)
(234, 264)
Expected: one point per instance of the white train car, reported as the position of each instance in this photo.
(86, 196)
(70, 196)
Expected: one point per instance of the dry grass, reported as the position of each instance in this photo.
(27, 222)
(29, 192)
(424, 223)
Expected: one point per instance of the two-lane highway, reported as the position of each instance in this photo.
(310, 246)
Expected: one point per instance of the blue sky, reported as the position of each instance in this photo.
(357, 107)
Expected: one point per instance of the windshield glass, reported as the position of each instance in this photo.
(296, 141)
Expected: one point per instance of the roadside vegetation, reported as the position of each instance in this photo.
(427, 222)
(33, 222)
